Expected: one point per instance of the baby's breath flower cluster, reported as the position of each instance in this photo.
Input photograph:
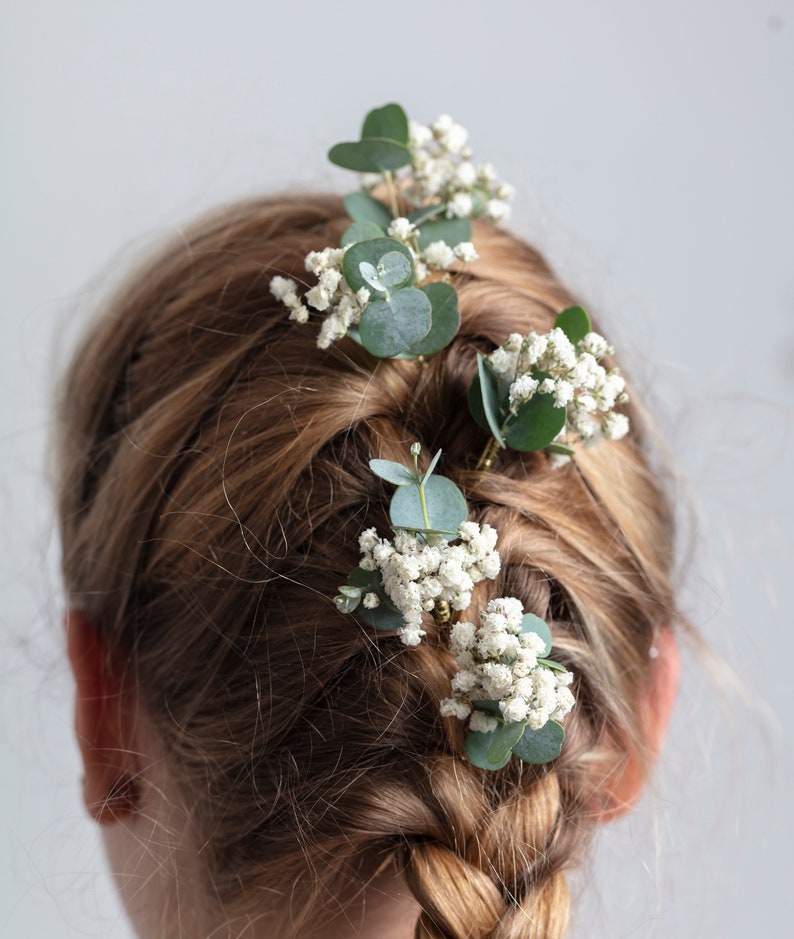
(331, 295)
(417, 571)
(551, 364)
(497, 662)
(442, 171)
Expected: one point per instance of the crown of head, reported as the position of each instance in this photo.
(389, 286)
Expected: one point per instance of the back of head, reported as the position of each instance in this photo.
(214, 482)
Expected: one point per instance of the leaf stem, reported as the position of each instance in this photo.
(423, 503)
(391, 188)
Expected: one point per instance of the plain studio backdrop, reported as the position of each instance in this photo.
(652, 146)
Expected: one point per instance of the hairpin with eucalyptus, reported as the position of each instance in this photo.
(511, 693)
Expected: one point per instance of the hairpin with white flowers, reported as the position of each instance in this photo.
(389, 287)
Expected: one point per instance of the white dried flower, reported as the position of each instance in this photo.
(460, 205)
(401, 228)
(438, 254)
(464, 251)
(482, 723)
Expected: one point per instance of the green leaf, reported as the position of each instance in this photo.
(388, 327)
(433, 464)
(389, 121)
(446, 507)
(540, 746)
(487, 705)
(373, 155)
(536, 424)
(445, 319)
(574, 322)
(534, 624)
(394, 269)
(488, 400)
(364, 208)
(346, 604)
(554, 666)
(392, 472)
(560, 449)
(382, 617)
(370, 251)
(418, 216)
(368, 581)
(478, 746)
(349, 591)
(505, 738)
(450, 230)
(361, 231)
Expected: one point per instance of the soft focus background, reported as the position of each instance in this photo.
(653, 149)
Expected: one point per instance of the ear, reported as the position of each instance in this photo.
(625, 785)
(105, 722)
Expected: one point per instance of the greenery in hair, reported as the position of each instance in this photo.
(431, 564)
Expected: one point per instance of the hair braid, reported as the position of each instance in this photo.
(495, 869)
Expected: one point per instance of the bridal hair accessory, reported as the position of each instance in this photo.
(389, 287)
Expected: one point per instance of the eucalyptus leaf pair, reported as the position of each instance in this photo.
(537, 422)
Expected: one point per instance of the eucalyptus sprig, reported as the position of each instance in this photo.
(541, 392)
(507, 688)
(388, 284)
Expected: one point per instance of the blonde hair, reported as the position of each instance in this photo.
(213, 483)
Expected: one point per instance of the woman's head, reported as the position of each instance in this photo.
(213, 483)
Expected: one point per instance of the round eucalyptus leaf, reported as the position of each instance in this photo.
(388, 327)
(361, 231)
(536, 424)
(394, 269)
(478, 746)
(382, 617)
(370, 251)
(389, 121)
(445, 319)
(534, 624)
(540, 746)
(446, 507)
(364, 208)
(349, 591)
(505, 738)
(367, 581)
(373, 155)
(450, 230)
(371, 277)
(574, 322)
(346, 604)
(392, 472)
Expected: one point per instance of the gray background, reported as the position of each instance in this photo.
(652, 146)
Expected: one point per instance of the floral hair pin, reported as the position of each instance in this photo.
(389, 287)
(511, 693)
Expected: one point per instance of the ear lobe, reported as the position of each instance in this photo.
(104, 724)
(624, 785)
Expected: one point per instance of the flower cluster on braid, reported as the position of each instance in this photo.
(511, 693)
(389, 287)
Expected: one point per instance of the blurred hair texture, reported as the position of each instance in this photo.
(213, 481)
